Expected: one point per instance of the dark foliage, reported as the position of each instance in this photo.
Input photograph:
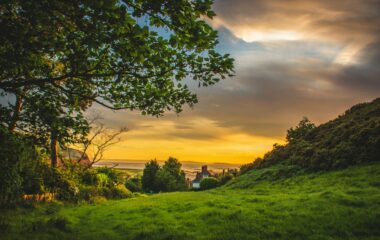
(350, 139)
(149, 182)
(16, 152)
(167, 178)
(209, 183)
(134, 184)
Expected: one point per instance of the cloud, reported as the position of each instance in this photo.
(293, 58)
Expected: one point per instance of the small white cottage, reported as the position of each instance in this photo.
(200, 175)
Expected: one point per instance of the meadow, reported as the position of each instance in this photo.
(262, 204)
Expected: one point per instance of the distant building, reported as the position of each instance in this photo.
(200, 175)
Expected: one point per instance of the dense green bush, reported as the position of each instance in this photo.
(16, 154)
(119, 192)
(209, 183)
(134, 184)
(102, 182)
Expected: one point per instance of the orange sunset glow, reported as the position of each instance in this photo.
(292, 60)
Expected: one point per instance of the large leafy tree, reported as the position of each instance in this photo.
(122, 54)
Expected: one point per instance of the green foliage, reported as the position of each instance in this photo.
(119, 192)
(149, 182)
(102, 183)
(169, 178)
(17, 154)
(225, 179)
(103, 52)
(134, 184)
(299, 132)
(209, 183)
(350, 139)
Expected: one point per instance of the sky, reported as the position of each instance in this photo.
(293, 58)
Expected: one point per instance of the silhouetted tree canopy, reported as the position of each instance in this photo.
(128, 54)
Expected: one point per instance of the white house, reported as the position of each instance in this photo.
(200, 175)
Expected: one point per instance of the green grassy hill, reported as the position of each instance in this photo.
(343, 204)
(324, 184)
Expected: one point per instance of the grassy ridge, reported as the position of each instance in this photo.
(261, 204)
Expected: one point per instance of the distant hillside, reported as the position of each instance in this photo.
(350, 139)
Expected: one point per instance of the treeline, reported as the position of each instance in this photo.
(350, 139)
(26, 173)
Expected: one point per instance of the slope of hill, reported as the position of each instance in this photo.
(286, 195)
(350, 139)
(343, 204)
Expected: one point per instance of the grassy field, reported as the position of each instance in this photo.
(342, 204)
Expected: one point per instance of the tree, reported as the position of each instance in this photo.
(166, 182)
(99, 140)
(300, 131)
(173, 167)
(128, 54)
(53, 122)
(209, 183)
(148, 180)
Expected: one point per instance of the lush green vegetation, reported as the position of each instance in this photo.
(286, 195)
(209, 183)
(168, 178)
(350, 139)
(341, 204)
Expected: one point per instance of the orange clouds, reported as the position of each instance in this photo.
(294, 58)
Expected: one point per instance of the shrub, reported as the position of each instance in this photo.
(16, 152)
(119, 192)
(114, 177)
(88, 177)
(225, 179)
(134, 184)
(209, 183)
(88, 192)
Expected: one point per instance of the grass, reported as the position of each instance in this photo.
(342, 204)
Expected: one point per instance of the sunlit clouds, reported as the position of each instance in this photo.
(293, 58)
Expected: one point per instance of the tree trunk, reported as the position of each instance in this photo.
(54, 148)
(16, 113)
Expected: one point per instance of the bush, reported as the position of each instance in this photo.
(209, 183)
(134, 184)
(86, 193)
(16, 152)
(225, 179)
(119, 192)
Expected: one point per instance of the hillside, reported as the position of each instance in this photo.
(324, 184)
(342, 204)
(352, 138)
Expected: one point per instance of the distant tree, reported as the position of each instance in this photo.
(170, 177)
(209, 183)
(300, 131)
(173, 167)
(149, 180)
(166, 182)
(99, 139)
